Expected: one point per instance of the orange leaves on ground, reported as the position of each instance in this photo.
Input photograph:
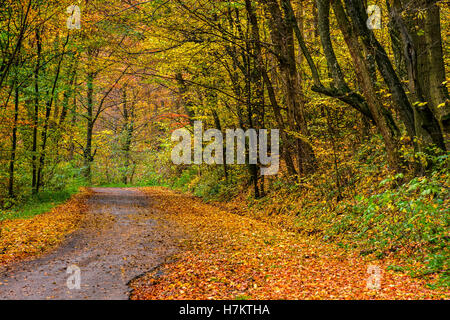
(21, 238)
(228, 256)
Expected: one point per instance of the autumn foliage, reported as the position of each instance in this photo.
(227, 256)
(26, 238)
(363, 115)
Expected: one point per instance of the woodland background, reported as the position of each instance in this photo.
(364, 115)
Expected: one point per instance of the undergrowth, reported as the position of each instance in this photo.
(373, 212)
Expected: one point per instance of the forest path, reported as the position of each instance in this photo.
(119, 241)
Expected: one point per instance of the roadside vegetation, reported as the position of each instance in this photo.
(363, 113)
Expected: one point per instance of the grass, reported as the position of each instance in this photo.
(37, 204)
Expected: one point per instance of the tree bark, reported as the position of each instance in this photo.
(13, 142)
(428, 125)
(88, 158)
(286, 150)
(381, 116)
(36, 112)
(282, 33)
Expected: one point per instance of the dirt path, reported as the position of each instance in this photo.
(120, 240)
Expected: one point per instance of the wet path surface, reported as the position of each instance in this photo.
(120, 241)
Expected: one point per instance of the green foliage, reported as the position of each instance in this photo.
(211, 184)
(37, 204)
(412, 218)
(181, 182)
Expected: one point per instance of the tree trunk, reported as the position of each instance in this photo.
(282, 34)
(13, 142)
(69, 91)
(286, 150)
(128, 131)
(429, 127)
(379, 113)
(88, 158)
(439, 96)
(36, 112)
(224, 150)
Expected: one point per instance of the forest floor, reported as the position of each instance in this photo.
(229, 256)
(153, 243)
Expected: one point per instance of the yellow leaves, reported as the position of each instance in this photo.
(419, 104)
(231, 256)
(21, 238)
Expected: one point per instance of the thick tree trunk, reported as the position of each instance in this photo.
(286, 150)
(282, 33)
(417, 53)
(438, 92)
(381, 116)
(429, 127)
(345, 95)
(396, 45)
